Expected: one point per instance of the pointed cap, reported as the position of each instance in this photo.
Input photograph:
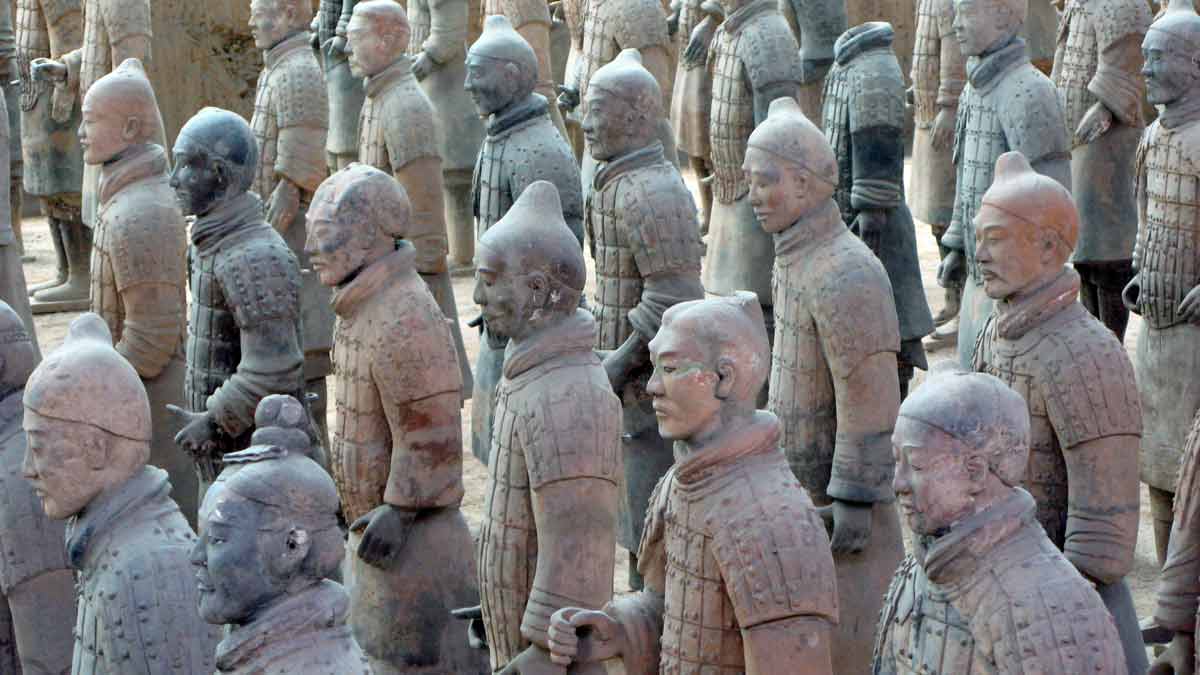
(627, 78)
(1039, 200)
(500, 41)
(534, 230)
(792, 137)
(361, 193)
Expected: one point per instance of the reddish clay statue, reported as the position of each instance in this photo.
(695, 22)
(37, 589)
(1076, 377)
(244, 332)
(531, 19)
(269, 541)
(345, 91)
(1007, 105)
(1096, 70)
(816, 25)
(398, 133)
(53, 172)
(739, 577)
(139, 262)
(1165, 290)
(87, 418)
(833, 372)
(552, 492)
(396, 453)
(522, 146)
(984, 590)
(753, 60)
(1179, 585)
(641, 227)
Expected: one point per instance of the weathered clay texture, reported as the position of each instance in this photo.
(816, 25)
(13, 290)
(345, 91)
(695, 24)
(531, 18)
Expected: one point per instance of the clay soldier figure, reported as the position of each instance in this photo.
(695, 22)
(531, 18)
(641, 227)
(864, 122)
(269, 541)
(520, 148)
(753, 60)
(938, 76)
(398, 134)
(1076, 377)
(1179, 585)
(139, 262)
(1165, 290)
(396, 454)
(12, 104)
(344, 90)
(984, 590)
(290, 119)
(244, 337)
(739, 577)
(816, 25)
(52, 158)
(37, 588)
(1007, 105)
(1096, 70)
(438, 48)
(552, 492)
(833, 373)
(13, 290)
(87, 419)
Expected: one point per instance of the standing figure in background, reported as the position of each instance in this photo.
(1097, 69)
(291, 116)
(695, 23)
(816, 25)
(139, 262)
(531, 18)
(396, 455)
(13, 290)
(1176, 606)
(520, 148)
(438, 48)
(398, 134)
(345, 91)
(642, 230)
(52, 158)
(1006, 105)
(939, 73)
(1165, 289)
(753, 60)
(12, 103)
(864, 124)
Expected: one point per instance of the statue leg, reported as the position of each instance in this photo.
(1162, 507)
(72, 295)
(1100, 289)
(1119, 602)
(60, 253)
(460, 222)
(43, 616)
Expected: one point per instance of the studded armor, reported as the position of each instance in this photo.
(290, 118)
(613, 25)
(531, 18)
(439, 30)
(994, 596)
(1179, 585)
(938, 75)
(344, 90)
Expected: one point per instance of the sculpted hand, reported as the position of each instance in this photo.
(533, 661)
(953, 269)
(568, 98)
(1131, 293)
(198, 432)
(1189, 309)
(334, 46)
(422, 66)
(384, 530)
(869, 225)
(476, 631)
(1179, 657)
(48, 70)
(1096, 121)
(697, 47)
(943, 130)
(850, 525)
(284, 206)
(584, 636)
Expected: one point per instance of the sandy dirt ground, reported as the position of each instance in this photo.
(52, 328)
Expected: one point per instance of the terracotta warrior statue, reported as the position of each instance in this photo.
(244, 332)
(396, 452)
(13, 290)
(833, 380)
(139, 262)
(52, 158)
(1097, 71)
(739, 577)
(816, 25)
(37, 588)
(1076, 377)
(87, 420)
(1179, 585)
(553, 480)
(694, 23)
(753, 60)
(521, 147)
(938, 75)
(864, 123)
(398, 134)
(11, 88)
(642, 230)
(269, 541)
(984, 590)
(344, 90)
(1007, 105)
(1165, 289)
(531, 19)
(291, 115)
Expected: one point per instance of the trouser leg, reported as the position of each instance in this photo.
(1162, 507)
(1119, 602)
(460, 221)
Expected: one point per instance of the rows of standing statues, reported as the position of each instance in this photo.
(248, 455)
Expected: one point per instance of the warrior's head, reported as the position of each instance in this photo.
(215, 159)
(961, 444)
(87, 419)
(355, 218)
(119, 111)
(376, 37)
(268, 530)
(502, 68)
(1025, 229)
(17, 355)
(1172, 56)
(982, 26)
(711, 359)
(789, 166)
(529, 269)
(272, 21)
(622, 108)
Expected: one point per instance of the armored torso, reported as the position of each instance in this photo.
(291, 93)
(612, 25)
(934, 18)
(108, 23)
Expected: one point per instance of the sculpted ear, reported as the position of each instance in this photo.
(976, 466)
(132, 130)
(295, 550)
(96, 446)
(726, 378)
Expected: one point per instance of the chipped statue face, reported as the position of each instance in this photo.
(57, 465)
(683, 385)
(503, 296)
(932, 486)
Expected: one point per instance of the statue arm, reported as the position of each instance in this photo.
(426, 465)
(1179, 582)
(129, 30)
(1118, 81)
(1102, 506)
(952, 65)
(271, 363)
(657, 60)
(800, 645)
(447, 30)
(300, 152)
(422, 180)
(152, 330)
(866, 400)
(769, 92)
